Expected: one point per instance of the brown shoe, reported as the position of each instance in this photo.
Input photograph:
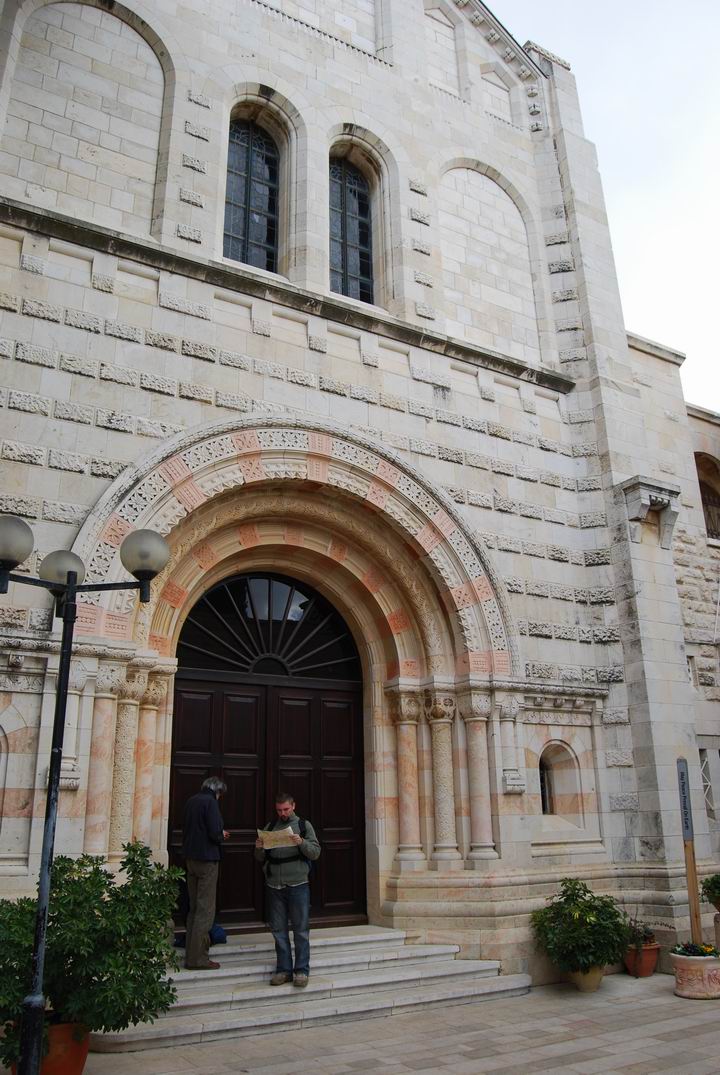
(280, 978)
(300, 981)
(210, 965)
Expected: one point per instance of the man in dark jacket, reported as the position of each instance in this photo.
(203, 834)
(287, 892)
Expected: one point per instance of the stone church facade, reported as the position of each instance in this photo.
(324, 293)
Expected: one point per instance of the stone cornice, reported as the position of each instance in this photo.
(704, 415)
(239, 279)
(657, 350)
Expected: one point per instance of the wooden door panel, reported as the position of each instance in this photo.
(294, 725)
(192, 722)
(243, 724)
(339, 880)
(337, 728)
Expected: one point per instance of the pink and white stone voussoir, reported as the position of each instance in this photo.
(696, 977)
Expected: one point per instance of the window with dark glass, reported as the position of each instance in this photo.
(711, 509)
(350, 232)
(251, 198)
(546, 790)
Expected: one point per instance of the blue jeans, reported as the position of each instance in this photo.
(289, 907)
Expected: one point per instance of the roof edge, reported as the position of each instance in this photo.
(657, 350)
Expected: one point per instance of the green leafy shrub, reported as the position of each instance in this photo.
(579, 930)
(688, 948)
(108, 946)
(711, 888)
(638, 932)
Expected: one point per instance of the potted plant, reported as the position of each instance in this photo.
(711, 890)
(581, 932)
(107, 955)
(641, 955)
(697, 971)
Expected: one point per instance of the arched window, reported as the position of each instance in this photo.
(251, 198)
(560, 792)
(350, 232)
(711, 510)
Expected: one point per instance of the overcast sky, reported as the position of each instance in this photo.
(648, 83)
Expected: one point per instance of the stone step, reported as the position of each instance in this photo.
(323, 960)
(216, 996)
(307, 1012)
(250, 946)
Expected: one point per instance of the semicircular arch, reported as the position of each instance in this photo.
(196, 468)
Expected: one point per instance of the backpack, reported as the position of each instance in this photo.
(288, 858)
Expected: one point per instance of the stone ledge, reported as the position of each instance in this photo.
(58, 226)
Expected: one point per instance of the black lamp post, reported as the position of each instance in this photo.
(143, 554)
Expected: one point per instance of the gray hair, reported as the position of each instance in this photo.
(215, 785)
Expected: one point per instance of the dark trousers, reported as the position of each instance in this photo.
(289, 908)
(202, 887)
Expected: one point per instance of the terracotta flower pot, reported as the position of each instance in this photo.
(696, 977)
(642, 962)
(586, 981)
(69, 1046)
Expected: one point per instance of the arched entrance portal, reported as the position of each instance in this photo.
(268, 695)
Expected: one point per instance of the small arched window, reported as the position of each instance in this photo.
(251, 197)
(350, 232)
(560, 791)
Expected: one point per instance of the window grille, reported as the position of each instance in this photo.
(251, 197)
(711, 510)
(350, 232)
(707, 784)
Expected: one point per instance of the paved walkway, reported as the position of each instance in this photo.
(629, 1027)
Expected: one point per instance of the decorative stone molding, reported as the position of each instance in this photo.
(439, 706)
(406, 705)
(513, 779)
(644, 495)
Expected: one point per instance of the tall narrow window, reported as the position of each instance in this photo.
(251, 198)
(711, 509)
(546, 788)
(707, 783)
(350, 232)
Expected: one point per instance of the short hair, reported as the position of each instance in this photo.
(215, 785)
(284, 797)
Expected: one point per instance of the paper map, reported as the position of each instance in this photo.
(275, 838)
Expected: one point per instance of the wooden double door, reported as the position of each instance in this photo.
(267, 735)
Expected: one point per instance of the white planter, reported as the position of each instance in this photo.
(696, 977)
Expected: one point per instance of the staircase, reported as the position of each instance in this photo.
(356, 972)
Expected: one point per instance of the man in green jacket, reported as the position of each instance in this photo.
(288, 892)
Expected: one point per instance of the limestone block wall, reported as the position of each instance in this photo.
(83, 118)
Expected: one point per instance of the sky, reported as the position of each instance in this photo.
(648, 83)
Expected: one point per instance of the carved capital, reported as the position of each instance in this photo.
(154, 695)
(78, 676)
(134, 686)
(109, 678)
(439, 706)
(508, 708)
(405, 706)
(474, 705)
(644, 495)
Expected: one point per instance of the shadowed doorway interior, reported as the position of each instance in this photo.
(268, 696)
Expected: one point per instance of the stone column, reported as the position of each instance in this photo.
(406, 710)
(161, 775)
(440, 712)
(145, 758)
(123, 784)
(102, 745)
(475, 708)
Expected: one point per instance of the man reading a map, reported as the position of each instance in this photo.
(287, 855)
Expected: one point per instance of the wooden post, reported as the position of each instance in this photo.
(689, 845)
